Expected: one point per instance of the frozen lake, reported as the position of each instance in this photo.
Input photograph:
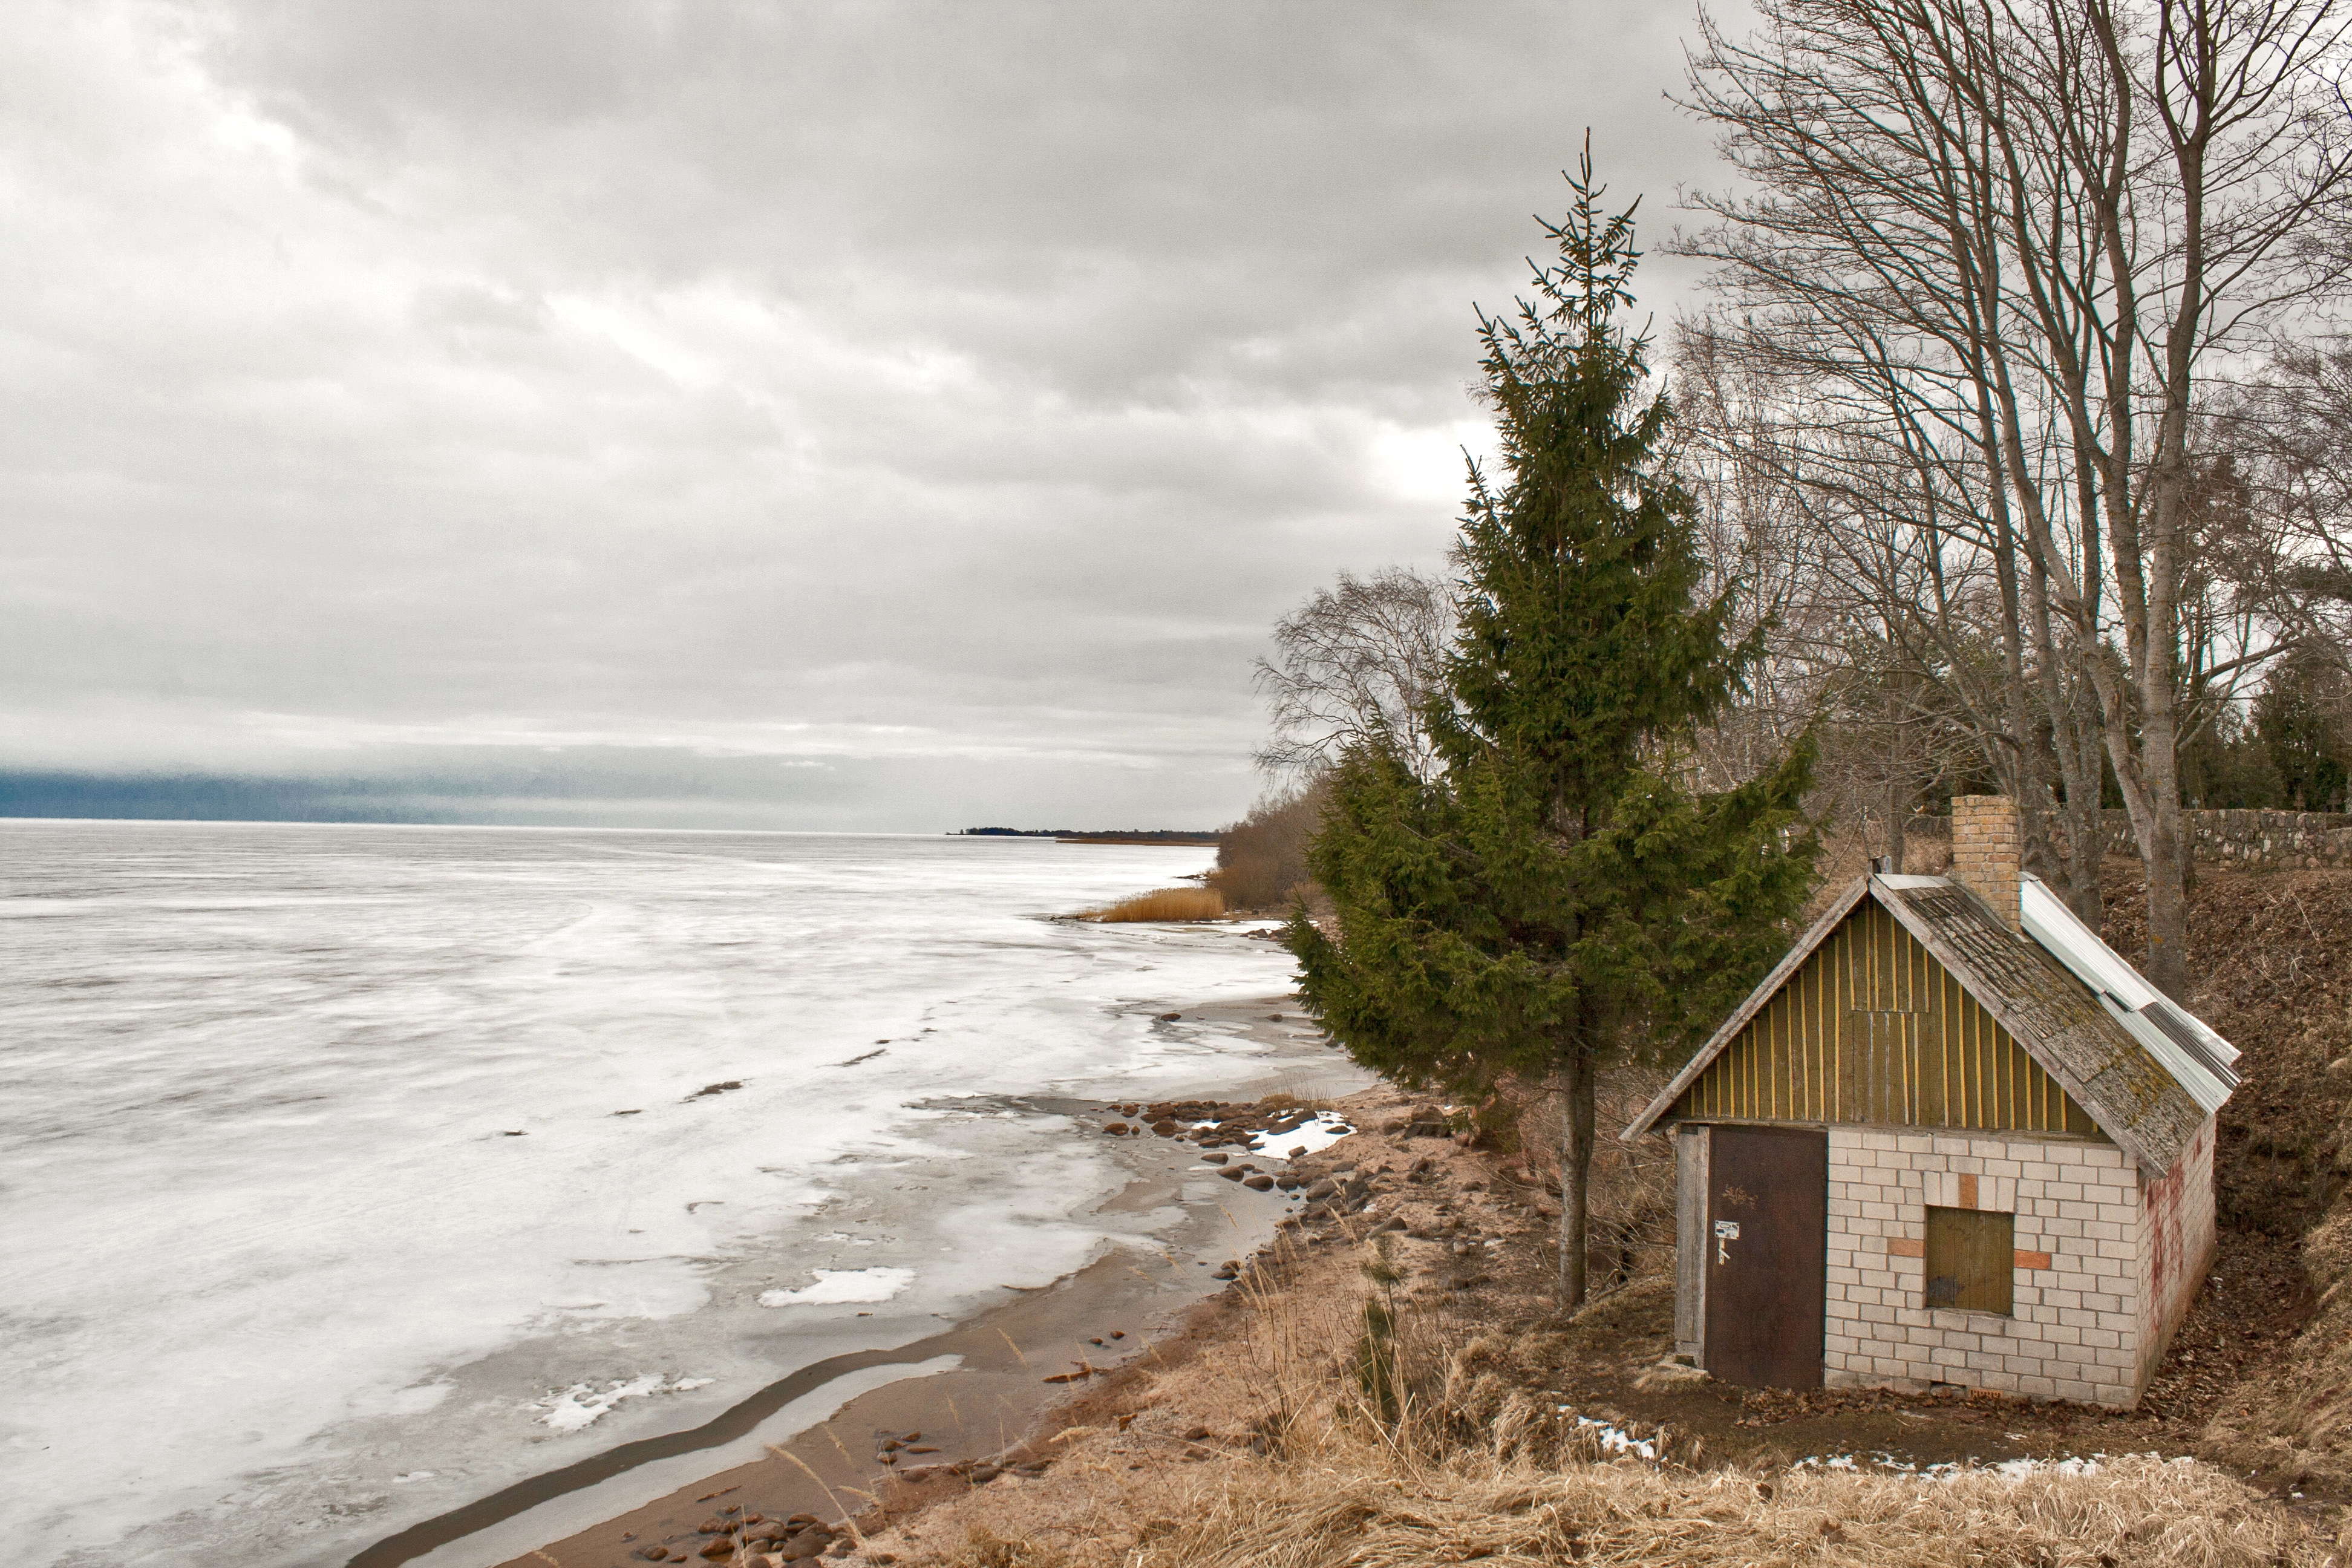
(348, 1173)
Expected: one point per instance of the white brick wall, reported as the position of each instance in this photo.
(2079, 1329)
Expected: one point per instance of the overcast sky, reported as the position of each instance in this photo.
(778, 413)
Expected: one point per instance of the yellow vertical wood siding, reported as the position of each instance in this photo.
(1872, 1028)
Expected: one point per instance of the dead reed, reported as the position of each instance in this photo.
(1406, 1447)
(1163, 904)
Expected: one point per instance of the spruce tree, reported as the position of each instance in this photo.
(1556, 900)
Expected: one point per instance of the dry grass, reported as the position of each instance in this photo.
(1345, 1414)
(1461, 1477)
(2273, 974)
(1337, 1488)
(1367, 1511)
(1163, 904)
(1464, 1464)
(2299, 1418)
(986, 1548)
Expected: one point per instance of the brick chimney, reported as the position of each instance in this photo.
(1985, 850)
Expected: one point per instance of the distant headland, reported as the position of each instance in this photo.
(1074, 835)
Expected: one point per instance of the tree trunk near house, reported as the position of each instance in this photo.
(2164, 852)
(1573, 1089)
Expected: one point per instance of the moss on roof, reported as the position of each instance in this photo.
(2059, 1020)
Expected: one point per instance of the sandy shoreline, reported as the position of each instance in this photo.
(972, 1390)
(1111, 1443)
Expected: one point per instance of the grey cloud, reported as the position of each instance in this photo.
(703, 378)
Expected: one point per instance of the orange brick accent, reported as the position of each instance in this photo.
(2033, 1260)
(1968, 1191)
(1909, 1246)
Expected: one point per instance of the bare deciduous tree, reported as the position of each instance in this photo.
(1997, 244)
(1357, 662)
(2290, 429)
(1872, 551)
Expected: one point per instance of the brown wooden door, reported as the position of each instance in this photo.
(1768, 1221)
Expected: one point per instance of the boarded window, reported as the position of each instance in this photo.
(1972, 1259)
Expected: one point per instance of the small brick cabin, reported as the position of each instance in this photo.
(1952, 1138)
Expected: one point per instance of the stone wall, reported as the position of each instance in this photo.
(2077, 1331)
(2251, 840)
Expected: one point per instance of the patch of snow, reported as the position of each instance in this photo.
(413, 1475)
(582, 1405)
(835, 1286)
(1326, 1129)
(419, 1398)
(1949, 1470)
(845, 1236)
(2017, 1469)
(1613, 1440)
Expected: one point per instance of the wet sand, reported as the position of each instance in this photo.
(972, 1390)
(980, 1410)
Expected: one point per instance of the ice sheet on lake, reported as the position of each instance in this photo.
(834, 1286)
(581, 1404)
(271, 1249)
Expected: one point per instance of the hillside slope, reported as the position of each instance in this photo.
(2272, 967)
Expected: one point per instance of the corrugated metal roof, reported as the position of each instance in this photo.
(2049, 922)
(2200, 1059)
(2127, 1056)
